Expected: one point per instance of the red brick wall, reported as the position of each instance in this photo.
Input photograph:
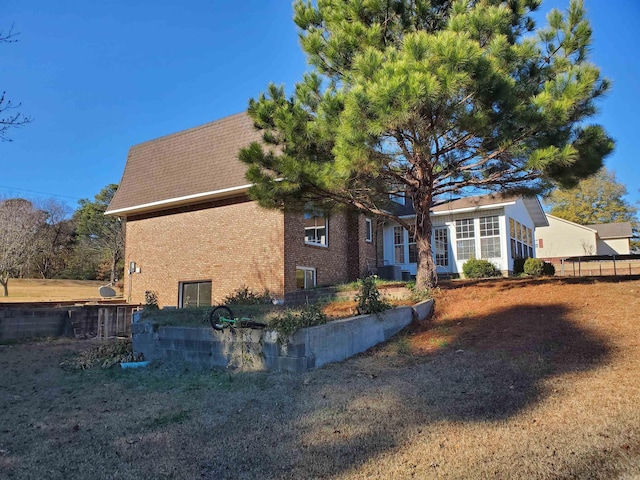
(368, 257)
(339, 262)
(232, 243)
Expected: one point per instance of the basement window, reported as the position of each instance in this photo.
(305, 278)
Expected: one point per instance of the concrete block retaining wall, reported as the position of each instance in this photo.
(260, 350)
(17, 323)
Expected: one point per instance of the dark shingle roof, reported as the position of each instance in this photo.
(613, 230)
(195, 163)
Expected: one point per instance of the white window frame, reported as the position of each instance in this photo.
(307, 270)
(521, 239)
(411, 242)
(399, 255)
(490, 234)
(315, 228)
(368, 230)
(465, 236)
(441, 246)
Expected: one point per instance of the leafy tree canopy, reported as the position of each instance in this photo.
(429, 99)
(597, 199)
(97, 231)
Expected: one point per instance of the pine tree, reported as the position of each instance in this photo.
(428, 99)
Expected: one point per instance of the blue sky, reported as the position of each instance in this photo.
(98, 77)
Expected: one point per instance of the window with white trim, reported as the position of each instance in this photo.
(305, 278)
(521, 240)
(465, 239)
(398, 245)
(490, 237)
(194, 294)
(368, 230)
(441, 246)
(412, 247)
(316, 228)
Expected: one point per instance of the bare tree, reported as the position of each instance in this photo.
(54, 239)
(9, 117)
(19, 225)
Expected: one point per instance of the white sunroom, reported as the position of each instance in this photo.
(490, 227)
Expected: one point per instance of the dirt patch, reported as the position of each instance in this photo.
(512, 379)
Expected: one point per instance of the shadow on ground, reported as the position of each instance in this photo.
(321, 424)
(342, 416)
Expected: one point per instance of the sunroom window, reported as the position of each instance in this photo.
(490, 237)
(465, 239)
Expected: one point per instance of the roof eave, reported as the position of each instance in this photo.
(179, 201)
(532, 204)
(475, 208)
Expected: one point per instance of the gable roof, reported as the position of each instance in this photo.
(493, 200)
(573, 224)
(194, 165)
(613, 230)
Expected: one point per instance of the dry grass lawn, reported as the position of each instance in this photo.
(37, 290)
(512, 379)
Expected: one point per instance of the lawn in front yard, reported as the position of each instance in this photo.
(526, 378)
(52, 290)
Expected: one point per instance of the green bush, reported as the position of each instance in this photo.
(548, 269)
(518, 266)
(533, 267)
(245, 296)
(150, 300)
(473, 268)
(290, 321)
(368, 297)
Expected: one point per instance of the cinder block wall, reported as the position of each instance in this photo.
(31, 323)
(231, 243)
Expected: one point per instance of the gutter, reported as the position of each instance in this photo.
(179, 201)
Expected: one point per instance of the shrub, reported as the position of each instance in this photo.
(245, 296)
(548, 269)
(473, 268)
(150, 300)
(290, 321)
(418, 295)
(533, 267)
(518, 266)
(368, 297)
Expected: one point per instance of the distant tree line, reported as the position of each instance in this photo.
(48, 240)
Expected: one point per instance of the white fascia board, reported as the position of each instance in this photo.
(491, 206)
(180, 201)
(463, 210)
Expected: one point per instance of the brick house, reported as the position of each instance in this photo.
(193, 235)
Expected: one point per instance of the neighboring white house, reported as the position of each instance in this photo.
(491, 227)
(562, 239)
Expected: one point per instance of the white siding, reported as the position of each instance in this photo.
(565, 239)
(518, 212)
(614, 246)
